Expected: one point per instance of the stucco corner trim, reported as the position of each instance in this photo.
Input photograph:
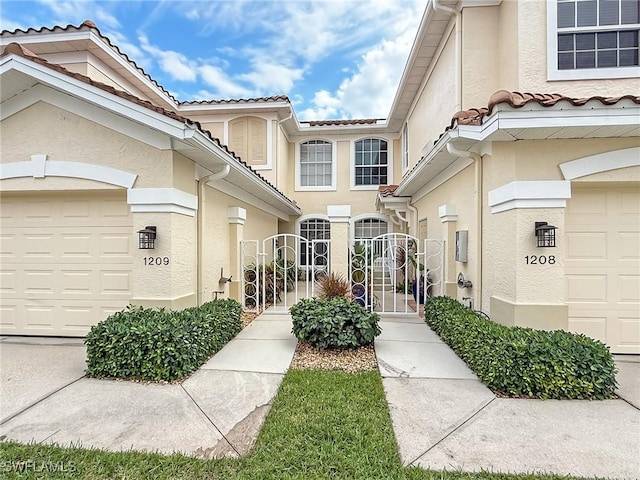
(40, 167)
(162, 200)
(339, 213)
(448, 213)
(530, 194)
(236, 215)
(602, 162)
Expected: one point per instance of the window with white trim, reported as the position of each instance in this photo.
(315, 229)
(595, 38)
(369, 228)
(316, 163)
(371, 162)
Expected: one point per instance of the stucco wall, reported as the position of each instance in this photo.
(65, 136)
(216, 237)
(436, 103)
(480, 55)
(532, 60)
(459, 191)
(509, 236)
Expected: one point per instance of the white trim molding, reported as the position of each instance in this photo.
(236, 215)
(339, 213)
(40, 167)
(334, 166)
(602, 162)
(530, 194)
(163, 200)
(448, 213)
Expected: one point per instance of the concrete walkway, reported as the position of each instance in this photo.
(216, 412)
(445, 418)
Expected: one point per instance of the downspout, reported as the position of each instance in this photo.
(202, 182)
(478, 178)
(451, 11)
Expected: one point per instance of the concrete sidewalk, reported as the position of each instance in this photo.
(445, 418)
(216, 412)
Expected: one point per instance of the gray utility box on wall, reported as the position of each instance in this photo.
(462, 240)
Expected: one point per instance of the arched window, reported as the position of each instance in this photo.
(371, 162)
(369, 228)
(315, 229)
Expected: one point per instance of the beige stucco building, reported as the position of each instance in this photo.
(94, 150)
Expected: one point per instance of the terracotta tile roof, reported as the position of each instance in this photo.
(276, 98)
(387, 190)
(89, 25)
(360, 121)
(17, 49)
(475, 116)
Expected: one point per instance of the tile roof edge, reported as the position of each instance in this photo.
(89, 24)
(16, 48)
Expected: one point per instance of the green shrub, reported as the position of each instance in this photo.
(517, 361)
(335, 322)
(158, 344)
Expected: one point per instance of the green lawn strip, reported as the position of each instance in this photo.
(323, 425)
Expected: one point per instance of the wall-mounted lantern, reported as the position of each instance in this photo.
(545, 234)
(147, 238)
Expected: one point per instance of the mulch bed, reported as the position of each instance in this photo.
(362, 359)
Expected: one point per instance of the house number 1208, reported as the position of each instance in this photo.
(156, 260)
(540, 259)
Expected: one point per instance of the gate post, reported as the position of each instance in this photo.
(339, 216)
(237, 217)
(449, 216)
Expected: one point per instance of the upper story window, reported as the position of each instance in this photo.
(371, 162)
(316, 164)
(593, 38)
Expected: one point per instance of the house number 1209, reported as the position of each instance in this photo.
(156, 261)
(540, 259)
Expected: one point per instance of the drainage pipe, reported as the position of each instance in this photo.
(478, 179)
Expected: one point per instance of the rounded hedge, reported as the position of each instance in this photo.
(335, 322)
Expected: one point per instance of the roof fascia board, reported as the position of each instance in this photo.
(232, 106)
(92, 94)
(236, 192)
(413, 175)
(87, 110)
(201, 141)
(94, 38)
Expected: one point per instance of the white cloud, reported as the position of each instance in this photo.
(369, 92)
(77, 11)
(271, 77)
(178, 66)
(225, 87)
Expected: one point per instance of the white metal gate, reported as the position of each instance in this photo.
(280, 270)
(391, 270)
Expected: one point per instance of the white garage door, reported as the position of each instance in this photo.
(66, 261)
(603, 265)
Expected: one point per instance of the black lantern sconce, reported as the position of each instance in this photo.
(545, 234)
(147, 238)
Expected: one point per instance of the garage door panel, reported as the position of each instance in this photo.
(602, 267)
(586, 245)
(115, 283)
(586, 288)
(629, 245)
(66, 261)
(629, 289)
(592, 326)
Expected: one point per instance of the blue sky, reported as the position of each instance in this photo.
(333, 58)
